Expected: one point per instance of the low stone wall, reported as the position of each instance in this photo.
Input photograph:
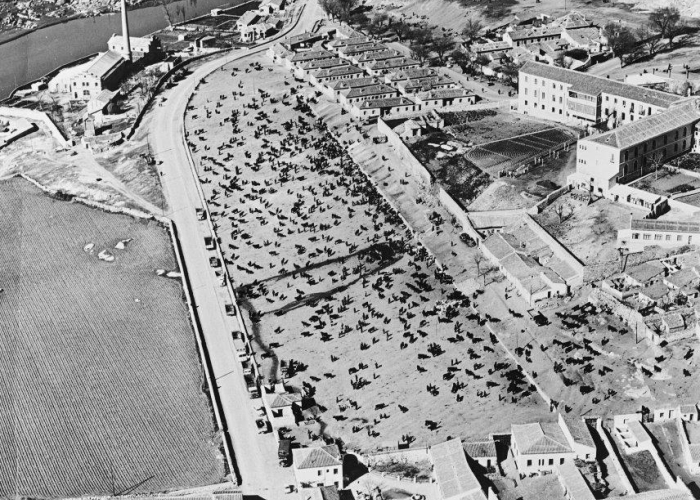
(615, 458)
(548, 200)
(459, 213)
(37, 116)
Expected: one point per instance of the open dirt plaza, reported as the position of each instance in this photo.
(334, 284)
(100, 377)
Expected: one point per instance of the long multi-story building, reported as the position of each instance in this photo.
(564, 95)
(647, 127)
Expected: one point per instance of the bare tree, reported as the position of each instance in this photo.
(563, 211)
(656, 160)
(472, 28)
(648, 38)
(667, 20)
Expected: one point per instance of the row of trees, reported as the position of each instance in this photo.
(664, 23)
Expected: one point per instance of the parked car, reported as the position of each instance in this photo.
(209, 243)
(214, 262)
(201, 214)
(263, 425)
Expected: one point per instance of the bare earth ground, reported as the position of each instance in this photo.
(101, 381)
(669, 446)
(589, 231)
(345, 300)
(130, 184)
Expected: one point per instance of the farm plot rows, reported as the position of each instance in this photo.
(516, 149)
(333, 284)
(100, 381)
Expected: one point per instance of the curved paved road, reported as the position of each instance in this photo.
(255, 454)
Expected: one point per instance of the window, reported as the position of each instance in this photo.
(335, 471)
(529, 463)
(535, 93)
(679, 237)
(535, 81)
(526, 78)
(668, 237)
(86, 92)
(623, 117)
(551, 461)
(525, 91)
(543, 95)
(525, 103)
(676, 135)
(635, 236)
(554, 85)
(554, 98)
(319, 472)
(657, 237)
(647, 237)
(561, 100)
(561, 460)
(685, 132)
(665, 140)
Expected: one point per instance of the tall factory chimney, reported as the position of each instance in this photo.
(125, 31)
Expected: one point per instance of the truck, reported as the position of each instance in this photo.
(200, 213)
(252, 386)
(284, 452)
(214, 262)
(230, 310)
(240, 348)
(209, 243)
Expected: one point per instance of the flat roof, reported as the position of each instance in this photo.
(595, 85)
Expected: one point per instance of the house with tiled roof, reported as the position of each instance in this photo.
(442, 98)
(540, 447)
(482, 452)
(531, 34)
(454, 477)
(415, 85)
(283, 408)
(351, 96)
(367, 110)
(396, 77)
(327, 76)
(388, 65)
(579, 437)
(318, 466)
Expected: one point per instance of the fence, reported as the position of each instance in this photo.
(40, 116)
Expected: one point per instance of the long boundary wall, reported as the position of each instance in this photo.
(410, 163)
(37, 116)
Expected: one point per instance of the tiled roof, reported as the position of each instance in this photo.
(665, 225)
(303, 37)
(338, 71)
(359, 48)
(444, 94)
(579, 431)
(689, 409)
(595, 85)
(285, 399)
(386, 103)
(249, 17)
(536, 439)
(498, 246)
(481, 449)
(136, 43)
(325, 63)
(452, 472)
(645, 272)
(312, 55)
(379, 55)
(105, 63)
(369, 90)
(661, 495)
(356, 82)
(406, 74)
(350, 41)
(312, 458)
(396, 62)
(648, 128)
(489, 47)
(534, 32)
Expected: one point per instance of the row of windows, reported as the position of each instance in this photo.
(554, 85)
(534, 105)
(660, 237)
(84, 84)
(542, 461)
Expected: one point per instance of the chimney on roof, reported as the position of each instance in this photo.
(125, 31)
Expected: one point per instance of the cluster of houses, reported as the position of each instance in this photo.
(367, 77)
(260, 23)
(661, 296)
(559, 447)
(538, 39)
(537, 265)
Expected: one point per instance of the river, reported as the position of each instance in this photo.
(33, 55)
